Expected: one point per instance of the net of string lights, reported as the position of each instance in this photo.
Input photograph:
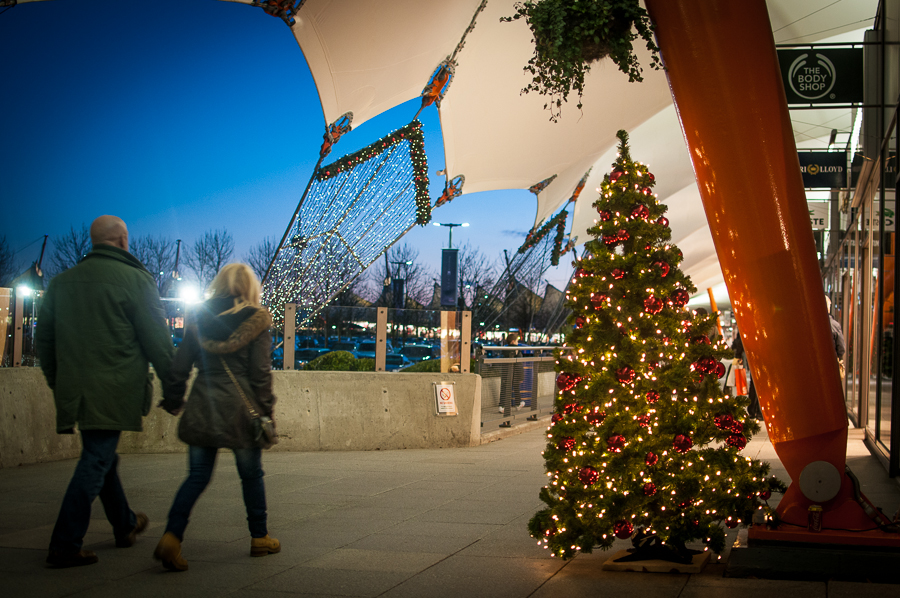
(644, 443)
(355, 208)
(522, 276)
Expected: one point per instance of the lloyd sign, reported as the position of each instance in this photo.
(823, 170)
(822, 76)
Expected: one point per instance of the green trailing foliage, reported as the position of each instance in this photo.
(569, 35)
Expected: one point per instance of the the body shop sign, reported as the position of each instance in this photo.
(822, 76)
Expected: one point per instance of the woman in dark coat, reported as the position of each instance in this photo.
(229, 342)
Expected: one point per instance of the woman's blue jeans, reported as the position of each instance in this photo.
(201, 462)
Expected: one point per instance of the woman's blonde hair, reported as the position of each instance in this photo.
(238, 281)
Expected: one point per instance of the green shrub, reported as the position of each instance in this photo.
(336, 361)
(366, 364)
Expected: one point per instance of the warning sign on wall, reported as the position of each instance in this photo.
(445, 398)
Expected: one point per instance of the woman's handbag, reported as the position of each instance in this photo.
(263, 425)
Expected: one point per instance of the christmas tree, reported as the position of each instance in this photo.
(643, 442)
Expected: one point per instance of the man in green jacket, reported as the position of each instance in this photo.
(100, 324)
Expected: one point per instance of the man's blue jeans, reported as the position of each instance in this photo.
(201, 462)
(95, 475)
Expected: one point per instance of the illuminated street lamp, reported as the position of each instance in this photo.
(450, 226)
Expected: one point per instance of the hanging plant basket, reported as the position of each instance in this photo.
(570, 35)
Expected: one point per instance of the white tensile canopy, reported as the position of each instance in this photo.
(367, 56)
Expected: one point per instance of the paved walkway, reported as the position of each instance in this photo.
(394, 524)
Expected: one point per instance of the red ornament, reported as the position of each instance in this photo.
(615, 443)
(622, 235)
(643, 420)
(682, 443)
(651, 459)
(649, 489)
(724, 421)
(652, 365)
(765, 494)
(580, 321)
(566, 444)
(625, 375)
(651, 177)
(653, 305)
(556, 417)
(570, 408)
(605, 215)
(623, 529)
(580, 273)
(680, 298)
(611, 240)
(663, 221)
(700, 340)
(618, 273)
(737, 441)
(588, 475)
(663, 268)
(732, 523)
(720, 370)
(707, 365)
(566, 381)
(615, 175)
(647, 191)
(652, 396)
(596, 418)
(599, 300)
(640, 210)
(737, 427)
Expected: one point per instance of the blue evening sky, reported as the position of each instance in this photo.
(182, 116)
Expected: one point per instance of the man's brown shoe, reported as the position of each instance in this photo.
(169, 552)
(264, 546)
(139, 527)
(60, 560)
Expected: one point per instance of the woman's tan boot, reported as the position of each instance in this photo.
(169, 552)
(264, 546)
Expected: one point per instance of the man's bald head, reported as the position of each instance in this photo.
(109, 230)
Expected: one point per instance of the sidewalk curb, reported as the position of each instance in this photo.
(501, 433)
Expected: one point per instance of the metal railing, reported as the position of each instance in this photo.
(517, 383)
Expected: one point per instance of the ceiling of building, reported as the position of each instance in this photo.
(368, 56)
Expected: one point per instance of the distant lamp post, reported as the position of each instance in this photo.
(450, 225)
(449, 268)
(398, 285)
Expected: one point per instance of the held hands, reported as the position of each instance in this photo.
(173, 407)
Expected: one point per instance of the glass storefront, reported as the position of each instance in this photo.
(860, 268)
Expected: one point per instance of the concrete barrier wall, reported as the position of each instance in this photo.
(316, 411)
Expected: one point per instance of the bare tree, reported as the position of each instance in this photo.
(475, 271)
(157, 254)
(68, 249)
(9, 265)
(260, 256)
(403, 263)
(208, 254)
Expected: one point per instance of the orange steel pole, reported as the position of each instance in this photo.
(724, 75)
